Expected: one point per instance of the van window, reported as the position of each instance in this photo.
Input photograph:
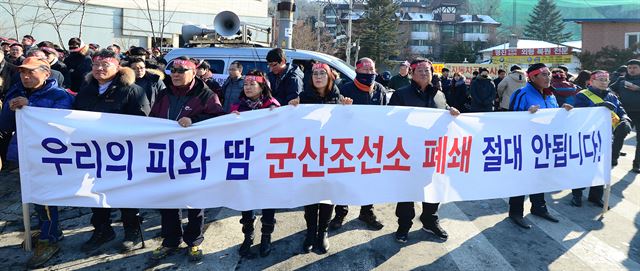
(217, 65)
(248, 66)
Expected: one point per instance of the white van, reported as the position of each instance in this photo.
(255, 58)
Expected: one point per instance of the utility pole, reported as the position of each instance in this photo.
(319, 25)
(285, 9)
(348, 52)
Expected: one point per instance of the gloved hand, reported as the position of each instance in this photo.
(625, 125)
(608, 105)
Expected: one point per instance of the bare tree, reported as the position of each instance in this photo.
(58, 16)
(13, 7)
(164, 21)
(83, 5)
(305, 38)
(147, 15)
(35, 21)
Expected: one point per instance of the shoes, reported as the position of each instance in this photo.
(371, 221)
(577, 202)
(265, 245)
(43, 252)
(99, 238)
(518, 220)
(336, 223)
(307, 245)
(245, 247)
(132, 240)
(436, 230)
(402, 237)
(322, 243)
(194, 253)
(636, 168)
(163, 252)
(547, 216)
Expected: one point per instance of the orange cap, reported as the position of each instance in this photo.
(33, 62)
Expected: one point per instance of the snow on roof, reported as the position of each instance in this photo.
(524, 44)
(486, 19)
(575, 44)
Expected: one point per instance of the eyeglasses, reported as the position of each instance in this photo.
(320, 74)
(104, 65)
(179, 70)
(603, 80)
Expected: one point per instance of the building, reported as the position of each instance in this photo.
(428, 28)
(123, 22)
(599, 33)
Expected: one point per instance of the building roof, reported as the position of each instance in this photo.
(574, 44)
(485, 19)
(604, 20)
(527, 44)
(416, 17)
(428, 17)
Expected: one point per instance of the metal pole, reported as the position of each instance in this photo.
(355, 59)
(285, 23)
(348, 52)
(318, 28)
(26, 220)
(607, 193)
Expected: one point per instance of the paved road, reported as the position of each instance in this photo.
(481, 238)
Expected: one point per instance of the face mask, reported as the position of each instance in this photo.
(365, 79)
(485, 76)
(557, 76)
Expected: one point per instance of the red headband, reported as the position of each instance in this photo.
(423, 64)
(536, 72)
(254, 78)
(321, 66)
(365, 64)
(112, 60)
(184, 63)
(600, 75)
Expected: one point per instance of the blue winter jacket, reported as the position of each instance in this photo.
(527, 96)
(287, 86)
(606, 95)
(49, 96)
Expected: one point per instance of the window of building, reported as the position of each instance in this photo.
(475, 28)
(419, 43)
(448, 31)
(422, 27)
(631, 38)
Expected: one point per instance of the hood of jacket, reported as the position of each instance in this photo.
(126, 76)
(518, 76)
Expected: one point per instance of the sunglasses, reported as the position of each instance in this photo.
(179, 70)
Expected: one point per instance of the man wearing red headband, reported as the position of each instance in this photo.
(111, 89)
(364, 90)
(421, 93)
(531, 98)
(598, 94)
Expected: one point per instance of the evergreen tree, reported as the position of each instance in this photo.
(545, 23)
(378, 31)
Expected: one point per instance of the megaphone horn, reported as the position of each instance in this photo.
(226, 24)
(189, 31)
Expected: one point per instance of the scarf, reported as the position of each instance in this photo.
(364, 81)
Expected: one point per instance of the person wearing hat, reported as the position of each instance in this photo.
(16, 54)
(35, 88)
(402, 78)
(5, 47)
(420, 93)
(363, 90)
(566, 72)
(186, 100)
(628, 88)
(531, 98)
(110, 88)
(56, 64)
(78, 62)
(54, 74)
(483, 92)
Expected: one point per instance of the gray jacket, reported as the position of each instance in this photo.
(232, 89)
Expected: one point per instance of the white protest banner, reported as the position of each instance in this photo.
(293, 156)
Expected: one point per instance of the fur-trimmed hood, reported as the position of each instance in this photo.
(159, 73)
(126, 76)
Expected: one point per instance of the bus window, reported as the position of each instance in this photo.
(248, 66)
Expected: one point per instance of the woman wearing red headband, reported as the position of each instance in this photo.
(256, 95)
(320, 90)
(186, 100)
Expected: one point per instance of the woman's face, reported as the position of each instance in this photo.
(320, 78)
(252, 89)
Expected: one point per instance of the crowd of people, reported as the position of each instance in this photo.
(90, 78)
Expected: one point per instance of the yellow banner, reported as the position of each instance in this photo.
(555, 59)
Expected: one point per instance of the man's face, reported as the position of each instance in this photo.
(15, 51)
(27, 41)
(139, 68)
(543, 79)
(104, 70)
(277, 67)
(422, 74)
(5, 48)
(502, 75)
(445, 73)
(600, 83)
(367, 66)
(201, 72)
(234, 71)
(181, 76)
(33, 79)
(404, 70)
(633, 70)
